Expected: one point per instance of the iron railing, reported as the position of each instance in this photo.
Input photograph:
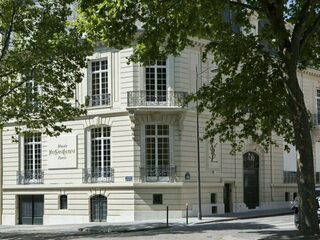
(30, 177)
(289, 177)
(95, 175)
(158, 174)
(98, 100)
(156, 98)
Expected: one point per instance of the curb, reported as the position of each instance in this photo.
(244, 217)
(120, 230)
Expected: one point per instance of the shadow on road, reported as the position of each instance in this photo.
(219, 228)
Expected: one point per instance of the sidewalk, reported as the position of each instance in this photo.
(143, 225)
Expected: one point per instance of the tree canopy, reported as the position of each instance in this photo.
(256, 92)
(41, 57)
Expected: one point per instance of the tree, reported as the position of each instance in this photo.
(256, 92)
(40, 62)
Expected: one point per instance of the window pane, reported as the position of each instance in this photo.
(63, 202)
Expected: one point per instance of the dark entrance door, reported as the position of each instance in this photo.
(227, 197)
(251, 179)
(31, 209)
(98, 208)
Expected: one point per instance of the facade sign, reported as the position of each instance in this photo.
(62, 152)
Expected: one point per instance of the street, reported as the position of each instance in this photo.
(279, 227)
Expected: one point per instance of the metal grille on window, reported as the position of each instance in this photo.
(32, 157)
(63, 201)
(99, 87)
(100, 153)
(156, 81)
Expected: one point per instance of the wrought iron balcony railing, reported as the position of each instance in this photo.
(30, 177)
(95, 175)
(98, 100)
(157, 174)
(156, 98)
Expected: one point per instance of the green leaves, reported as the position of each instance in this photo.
(40, 42)
(249, 97)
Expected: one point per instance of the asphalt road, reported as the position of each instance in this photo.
(279, 227)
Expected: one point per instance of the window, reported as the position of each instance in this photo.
(228, 17)
(214, 209)
(99, 83)
(289, 177)
(317, 119)
(317, 177)
(295, 195)
(157, 199)
(100, 152)
(213, 199)
(287, 196)
(157, 150)
(156, 81)
(32, 158)
(32, 92)
(63, 201)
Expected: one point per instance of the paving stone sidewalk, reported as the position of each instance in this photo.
(143, 225)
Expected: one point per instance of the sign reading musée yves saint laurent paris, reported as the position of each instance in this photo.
(62, 152)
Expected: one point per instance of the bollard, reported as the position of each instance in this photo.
(187, 216)
(167, 215)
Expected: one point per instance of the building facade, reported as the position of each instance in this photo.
(135, 152)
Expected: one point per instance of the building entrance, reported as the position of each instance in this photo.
(251, 179)
(31, 209)
(227, 198)
(98, 208)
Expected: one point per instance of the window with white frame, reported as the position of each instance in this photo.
(318, 107)
(157, 150)
(32, 157)
(99, 83)
(32, 91)
(100, 152)
(156, 81)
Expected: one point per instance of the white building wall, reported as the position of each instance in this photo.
(130, 199)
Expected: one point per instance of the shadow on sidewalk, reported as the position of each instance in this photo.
(216, 228)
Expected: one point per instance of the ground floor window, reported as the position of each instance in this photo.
(98, 208)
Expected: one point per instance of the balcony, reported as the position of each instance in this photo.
(157, 174)
(156, 99)
(98, 100)
(96, 175)
(30, 177)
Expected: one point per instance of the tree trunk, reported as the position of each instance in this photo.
(305, 167)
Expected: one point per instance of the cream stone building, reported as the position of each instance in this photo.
(136, 151)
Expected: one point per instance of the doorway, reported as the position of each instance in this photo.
(251, 180)
(31, 209)
(227, 197)
(98, 208)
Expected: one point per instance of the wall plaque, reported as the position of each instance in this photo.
(62, 152)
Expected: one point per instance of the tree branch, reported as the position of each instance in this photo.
(299, 28)
(311, 30)
(14, 88)
(8, 35)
